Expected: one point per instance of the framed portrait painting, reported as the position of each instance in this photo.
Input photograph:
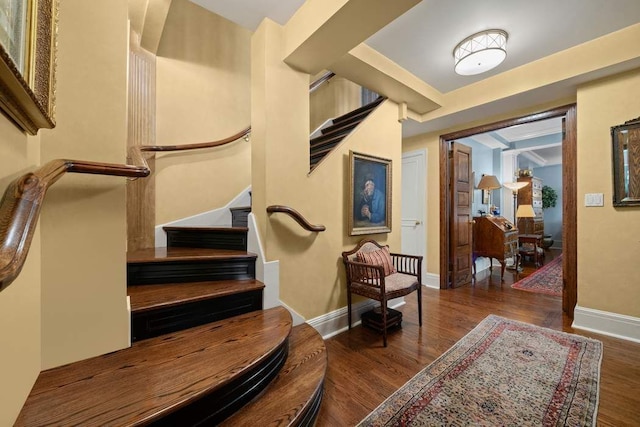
(369, 210)
(27, 62)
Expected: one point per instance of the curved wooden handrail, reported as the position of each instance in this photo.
(323, 78)
(22, 201)
(296, 215)
(242, 134)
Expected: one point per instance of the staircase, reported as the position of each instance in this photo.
(204, 351)
(339, 129)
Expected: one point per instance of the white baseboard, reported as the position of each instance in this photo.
(295, 316)
(607, 323)
(431, 280)
(335, 322)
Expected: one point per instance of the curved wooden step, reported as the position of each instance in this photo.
(164, 308)
(294, 396)
(234, 238)
(150, 297)
(180, 265)
(200, 374)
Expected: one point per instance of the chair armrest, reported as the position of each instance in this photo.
(365, 274)
(408, 264)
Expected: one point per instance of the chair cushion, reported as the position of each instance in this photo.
(396, 283)
(378, 257)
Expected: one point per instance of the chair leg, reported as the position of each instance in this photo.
(384, 322)
(420, 304)
(349, 308)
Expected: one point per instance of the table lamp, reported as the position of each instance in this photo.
(525, 211)
(488, 183)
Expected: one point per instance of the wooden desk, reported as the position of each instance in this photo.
(531, 245)
(494, 237)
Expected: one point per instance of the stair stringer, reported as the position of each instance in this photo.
(220, 217)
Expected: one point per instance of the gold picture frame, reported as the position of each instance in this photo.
(369, 209)
(27, 63)
(625, 140)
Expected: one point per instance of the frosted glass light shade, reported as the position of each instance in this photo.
(515, 186)
(480, 52)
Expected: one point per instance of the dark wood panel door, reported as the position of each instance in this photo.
(461, 237)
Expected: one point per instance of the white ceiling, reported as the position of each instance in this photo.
(537, 144)
(422, 41)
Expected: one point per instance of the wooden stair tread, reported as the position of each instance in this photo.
(184, 254)
(297, 388)
(369, 106)
(147, 297)
(335, 133)
(206, 228)
(154, 377)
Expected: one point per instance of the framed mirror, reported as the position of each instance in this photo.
(27, 49)
(626, 163)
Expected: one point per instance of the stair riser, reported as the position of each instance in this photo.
(349, 124)
(183, 272)
(240, 217)
(368, 107)
(328, 139)
(151, 323)
(211, 240)
(222, 403)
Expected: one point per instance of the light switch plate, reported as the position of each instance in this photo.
(594, 199)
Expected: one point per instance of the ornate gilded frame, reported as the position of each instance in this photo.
(27, 96)
(365, 167)
(625, 139)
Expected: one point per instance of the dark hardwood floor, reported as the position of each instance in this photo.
(361, 373)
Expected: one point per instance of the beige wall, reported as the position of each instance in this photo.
(203, 94)
(606, 236)
(83, 224)
(311, 273)
(608, 243)
(20, 302)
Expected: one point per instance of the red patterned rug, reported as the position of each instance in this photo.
(545, 280)
(502, 373)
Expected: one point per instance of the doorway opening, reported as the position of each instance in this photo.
(448, 274)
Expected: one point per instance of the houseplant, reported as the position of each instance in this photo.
(549, 199)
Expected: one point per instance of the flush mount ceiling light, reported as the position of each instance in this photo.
(480, 52)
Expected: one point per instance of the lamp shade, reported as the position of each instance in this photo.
(515, 186)
(480, 52)
(489, 182)
(525, 211)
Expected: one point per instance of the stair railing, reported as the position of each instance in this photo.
(160, 148)
(22, 201)
(297, 216)
(321, 80)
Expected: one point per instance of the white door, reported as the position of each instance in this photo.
(414, 238)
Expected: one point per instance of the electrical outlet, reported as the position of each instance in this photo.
(594, 199)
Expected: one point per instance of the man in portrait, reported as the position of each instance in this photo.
(372, 202)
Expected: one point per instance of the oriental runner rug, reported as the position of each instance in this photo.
(502, 373)
(545, 280)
